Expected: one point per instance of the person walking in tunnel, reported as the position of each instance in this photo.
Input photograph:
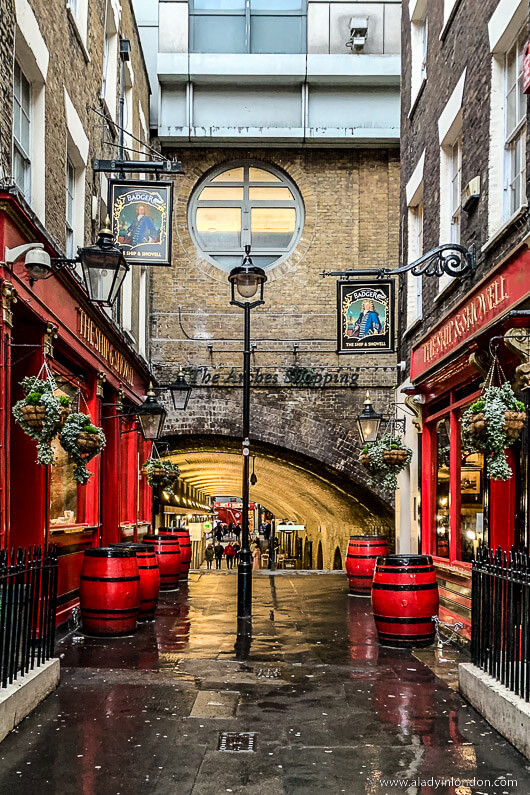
(256, 557)
(230, 555)
(237, 547)
(209, 555)
(219, 532)
(237, 531)
(219, 550)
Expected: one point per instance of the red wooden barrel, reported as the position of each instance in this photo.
(362, 553)
(109, 591)
(149, 576)
(167, 551)
(404, 599)
(183, 536)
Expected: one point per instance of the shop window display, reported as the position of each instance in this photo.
(64, 508)
(442, 488)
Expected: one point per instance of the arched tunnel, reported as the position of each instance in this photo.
(290, 485)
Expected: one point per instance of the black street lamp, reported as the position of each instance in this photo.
(151, 416)
(246, 281)
(180, 391)
(368, 422)
(103, 265)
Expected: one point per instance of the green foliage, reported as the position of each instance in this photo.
(75, 424)
(40, 393)
(171, 473)
(495, 401)
(65, 401)
(379, 469)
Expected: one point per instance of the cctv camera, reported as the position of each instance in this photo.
(38, 264)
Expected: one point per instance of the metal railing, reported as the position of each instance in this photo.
(28, 599)
(500, 605)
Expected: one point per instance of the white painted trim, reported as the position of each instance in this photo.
(30, 45)
(505, 22)
(414, 183)
(449, 116)
(76, 129)
(417, 9)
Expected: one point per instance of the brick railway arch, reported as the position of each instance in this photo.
(297, 487)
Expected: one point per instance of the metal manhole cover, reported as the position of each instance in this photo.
(237, 742)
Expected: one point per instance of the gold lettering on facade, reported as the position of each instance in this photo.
(473, 315)
(96, 339)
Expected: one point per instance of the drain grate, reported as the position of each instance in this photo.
(237, 742)
(268, 673)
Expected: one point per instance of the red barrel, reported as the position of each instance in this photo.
(404, 599)
(363, 551)
(183, 536)
(109, 591)
(149, 576)
(167, 551)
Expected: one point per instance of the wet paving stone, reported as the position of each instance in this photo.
(331, 710)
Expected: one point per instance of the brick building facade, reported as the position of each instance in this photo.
(464, 180)
(61, 77)
(350, 220)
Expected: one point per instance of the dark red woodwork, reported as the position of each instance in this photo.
(362, 554)
(149, 577)
(404, 599)
(167, 551)
(183, 535)
(24, 485)
(109, 591)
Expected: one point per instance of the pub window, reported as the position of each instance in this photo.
(64, 503)
(443, 448)
(472, 504)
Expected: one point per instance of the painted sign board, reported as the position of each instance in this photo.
(141, 220)
(493, 297)
(290, 528)
(365, 316)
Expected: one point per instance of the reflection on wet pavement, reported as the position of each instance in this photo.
(333, 711)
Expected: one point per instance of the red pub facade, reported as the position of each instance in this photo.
(460, 508)
(91, 362)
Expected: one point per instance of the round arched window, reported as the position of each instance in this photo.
(243, 204)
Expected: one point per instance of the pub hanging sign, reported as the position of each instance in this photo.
(141, 220)
(365, 315)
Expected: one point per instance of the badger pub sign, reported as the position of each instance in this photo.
(365, 317)
(141, 220)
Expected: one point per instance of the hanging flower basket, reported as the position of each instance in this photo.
(41, 414)
(385, 459)
(161, 473)
(492, 424)
(82, 441)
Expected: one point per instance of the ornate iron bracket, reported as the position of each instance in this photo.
(449, 259)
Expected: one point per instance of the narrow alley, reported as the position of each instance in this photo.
(329, 709)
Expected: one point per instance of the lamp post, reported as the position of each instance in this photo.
(246, 280)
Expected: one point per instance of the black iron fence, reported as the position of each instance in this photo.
(500, 631)
(28, 598)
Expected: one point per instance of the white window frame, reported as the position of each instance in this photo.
(77, 151)
(515, 137)
(414, 196)
(419, 35)
(456, 188)
(19, 149)
(33, 57)
(78, 12)
(70, 195)
(504, 26)
(109, 83)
